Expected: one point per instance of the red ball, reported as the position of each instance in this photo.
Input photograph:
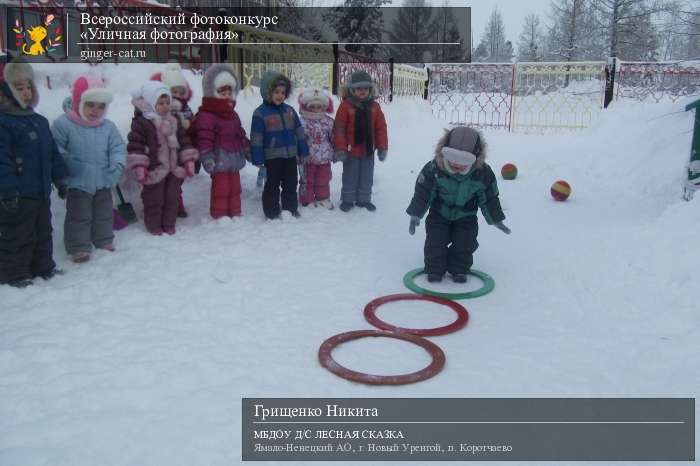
(509, 171)
(560, 190)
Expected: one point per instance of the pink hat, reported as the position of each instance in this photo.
(89, 89)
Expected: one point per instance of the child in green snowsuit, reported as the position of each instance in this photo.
(453, 186)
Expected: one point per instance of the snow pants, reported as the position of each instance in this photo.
(160, 203)
(449, 245)
(225, 195)
(358, 178)
(315, 184)
(89, 220)
(280, 172)
(26, 247)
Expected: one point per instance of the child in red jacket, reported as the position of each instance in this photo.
(221, 140)
(359, 130)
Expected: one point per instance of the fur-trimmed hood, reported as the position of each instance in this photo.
(14, 72)
(461, 138)
(358, 78)
(269, 81)
(346, 94)
(215, 76)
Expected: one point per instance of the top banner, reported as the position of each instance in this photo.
(102, 32)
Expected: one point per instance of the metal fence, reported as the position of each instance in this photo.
(525, 97)
(549, 97)
(556, 96)
(654, 81)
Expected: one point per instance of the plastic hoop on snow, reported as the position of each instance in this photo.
(489, 284)
(461, 321)
(327, 361)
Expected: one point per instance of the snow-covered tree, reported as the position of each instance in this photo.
(444, 29)
(358, 21)
(572, 33)
(531, 40)
(411, 26)
(479, 54)
(627, 27)
(693, 34)
(493, 46)
(640, 40)
(297, 20)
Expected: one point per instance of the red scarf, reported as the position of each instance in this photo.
(221, 107)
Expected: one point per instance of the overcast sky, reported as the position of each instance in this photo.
(513, 12)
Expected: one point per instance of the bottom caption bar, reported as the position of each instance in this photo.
(460, 429)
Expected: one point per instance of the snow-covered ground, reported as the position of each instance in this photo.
(143, 356)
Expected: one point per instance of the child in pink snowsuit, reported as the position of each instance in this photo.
(160, 155)
(181, 93)
(315, 105)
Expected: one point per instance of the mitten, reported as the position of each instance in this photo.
(381, 155)
(208, 165)
(340, 155)
(415, 221)
(10, 205)
(140, 174)
(502, 227)
(62, 191)
(189, 168)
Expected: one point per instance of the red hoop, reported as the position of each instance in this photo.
(461, 321)
(327, 361)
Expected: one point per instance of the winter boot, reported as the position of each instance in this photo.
(52, 273)
(108, 247)
(459, 277)
(367, 205)
(181, 212)
(346, 206)
(327, 203)
(295, 213)
(434, 277)
(80, 257)
(21, 283)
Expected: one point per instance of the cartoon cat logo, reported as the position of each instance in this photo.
(37, 37)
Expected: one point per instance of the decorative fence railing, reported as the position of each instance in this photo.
(654, 81)
(544, 97)
(554, 96)
(477, 93)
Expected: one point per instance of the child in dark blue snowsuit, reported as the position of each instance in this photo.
(29, 163)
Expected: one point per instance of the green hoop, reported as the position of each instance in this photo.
(489, 285)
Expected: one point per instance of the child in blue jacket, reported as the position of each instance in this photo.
(29, 163)
(278, 141)
(96, 155)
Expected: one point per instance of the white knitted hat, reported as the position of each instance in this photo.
(172, 76)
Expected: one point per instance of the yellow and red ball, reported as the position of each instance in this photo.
(509, 171)
(560, 190)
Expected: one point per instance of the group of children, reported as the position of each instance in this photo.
(84, 156)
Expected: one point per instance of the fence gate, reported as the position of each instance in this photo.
(524, 97)
(548, 97)
(479, 94)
